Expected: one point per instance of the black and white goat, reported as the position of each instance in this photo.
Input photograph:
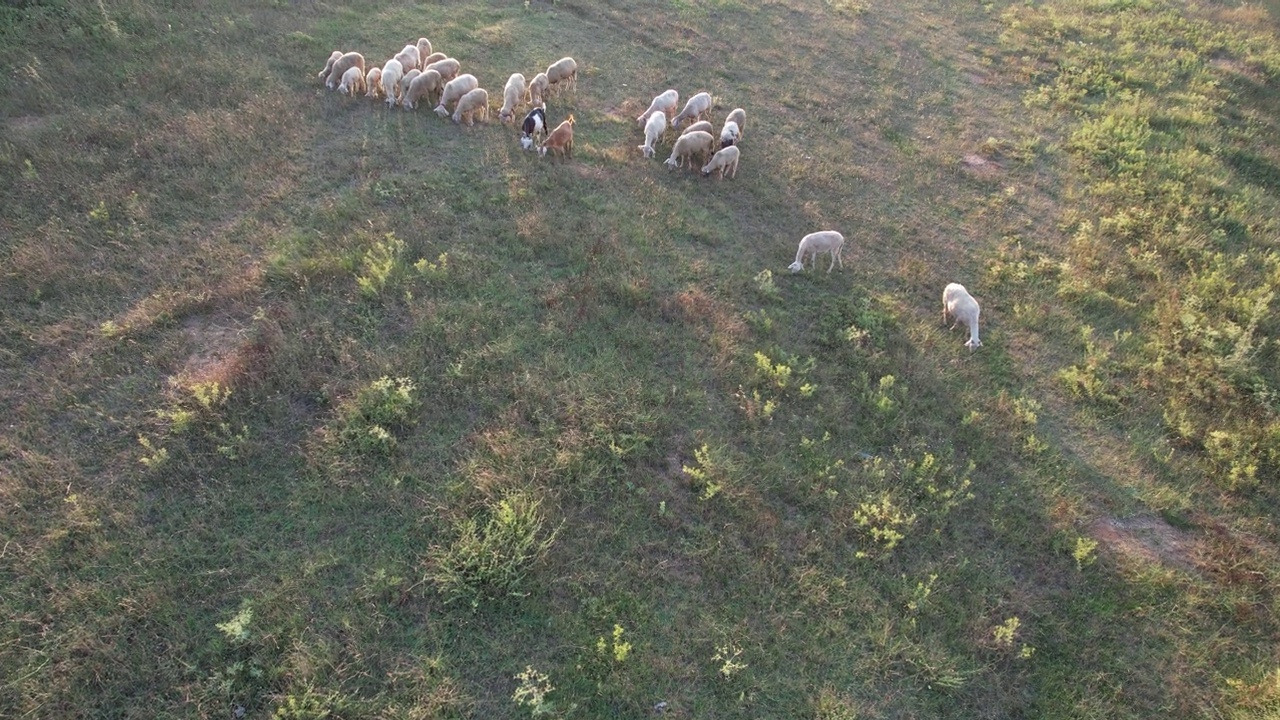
(535, 123)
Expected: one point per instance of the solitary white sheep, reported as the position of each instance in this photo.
(738, 116)
(424, 49)
(453, 92)
(352, 81)
(328, 65)
(341, 66)
(689, 145)
(815, 244)
(726, 160)
(391, 74)
(563, 72)
(652, 131)
(469, 105)
(448, 68)
(538, 89)
(425, 85)
(698, 106)
(729, 134)
(512, 95)
(700, 126)
(409, 58)
(373, 83)
(664, 102)
(957, 302)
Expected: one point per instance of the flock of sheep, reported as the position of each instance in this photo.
(417, 73)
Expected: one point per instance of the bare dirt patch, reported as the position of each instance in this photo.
(1145, 539)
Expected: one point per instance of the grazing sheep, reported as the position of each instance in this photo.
(538, 89)
(328, 65)
(535, 124)
(698, 106)
(564, 70)
(352, 81)
(391, 74)
(424, 50)
(512, 95)
(689, 145)
(729, 134)
(432, 58)
(406, 81)
(816, 243)
(453, 92)
(409, 58)
(426, 85)
(475, 101)
(739, 116)
(652, 131)
(341, 66)
(726, 160)
(664, 102)
(560, 139)
(373, 81)
(701, 125)
(448, 68)
(957, 302)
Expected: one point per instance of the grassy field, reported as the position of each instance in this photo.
(319, 409)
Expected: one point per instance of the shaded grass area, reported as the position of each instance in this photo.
(792, 496)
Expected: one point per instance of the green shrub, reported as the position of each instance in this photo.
(490, 556)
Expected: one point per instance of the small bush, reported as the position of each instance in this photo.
(491, 556)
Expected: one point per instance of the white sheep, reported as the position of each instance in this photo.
(512, 95)
(448, 68)
(739, 117)
(328, 65)
(424, 49)
(652, 131)
(474, 102)
(538, 89)
(373, 81)
(729, 134)
(391, 74)
(453, 92)
(957, 302)
(664, 102)
(726, 160)
(700, 126)
(409, 58)
(340, 67)
(815, 244)
(434, 57)
(352, 81)
(689, 145)
(425, 85)
(698, 106)
(406, 81)
(563, 72)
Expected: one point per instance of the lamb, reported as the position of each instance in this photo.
(739, 116)
(701, 125)
(729, 134)
(391, 74)
(560, 139)
(698, 106)
(652, 131)
(538, 88)
(352, 81)
(814, 244)
(373, 81)
(435, 57)
(328, 65)
(688, 145)
(665, 102)
(564, 70)
(454, 90)
(475, 101)
(424, 86)
(726, 160)
(406, 81)
(409, 58)
(535, 124)
(340, 67)
(957, 302)
(448, 68)
(424, 50)
(512, 95)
